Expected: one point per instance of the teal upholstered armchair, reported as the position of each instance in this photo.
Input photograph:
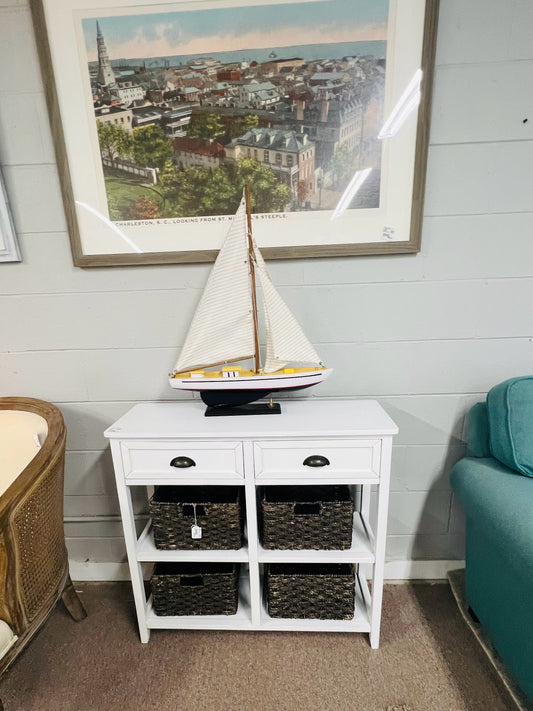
(494, 483)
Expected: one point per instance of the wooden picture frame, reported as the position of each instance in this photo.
(109, 226)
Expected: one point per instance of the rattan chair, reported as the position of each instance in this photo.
(34, 570)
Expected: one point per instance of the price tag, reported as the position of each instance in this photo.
(196, 531)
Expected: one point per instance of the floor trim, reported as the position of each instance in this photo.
(395, 570)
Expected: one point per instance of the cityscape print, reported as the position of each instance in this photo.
(191, 105)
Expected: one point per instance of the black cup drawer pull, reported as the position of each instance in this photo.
(182, 462)
(316, 460)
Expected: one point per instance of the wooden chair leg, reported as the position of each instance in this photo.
(72, 602)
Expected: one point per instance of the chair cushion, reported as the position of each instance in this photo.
(21, 436)
(510, 411)
(7, 638)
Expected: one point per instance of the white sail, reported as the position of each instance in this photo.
(222, 328)
(286, 342)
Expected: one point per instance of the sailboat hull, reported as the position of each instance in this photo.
(243, 390)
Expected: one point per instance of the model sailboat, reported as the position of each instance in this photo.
(224, 330)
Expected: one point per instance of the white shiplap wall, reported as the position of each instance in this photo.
(427, 335)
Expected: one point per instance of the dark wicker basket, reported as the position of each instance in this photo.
(311, 591)
(195, 588)
(300, 517)
(219, 514)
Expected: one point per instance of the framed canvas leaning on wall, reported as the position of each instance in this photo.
(161, 111)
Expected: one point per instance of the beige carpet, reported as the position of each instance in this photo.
(428, 660)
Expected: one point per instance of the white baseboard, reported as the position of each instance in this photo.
(92, 570)
(395, 570)
(398, 570)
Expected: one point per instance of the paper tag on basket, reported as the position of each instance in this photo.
(196, 531)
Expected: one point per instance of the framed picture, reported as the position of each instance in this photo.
(9, 251)
(162, 111)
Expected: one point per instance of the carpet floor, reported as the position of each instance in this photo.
(428, 660)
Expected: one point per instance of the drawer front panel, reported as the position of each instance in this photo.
(210, 460)
(317, 459)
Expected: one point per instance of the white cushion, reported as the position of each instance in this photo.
(7, 638)
(21, 436)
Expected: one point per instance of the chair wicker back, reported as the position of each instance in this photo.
(33, 557)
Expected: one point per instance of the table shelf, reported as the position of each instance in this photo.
(147, 551)
(361, 550)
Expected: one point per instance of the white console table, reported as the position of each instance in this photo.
(355, 436)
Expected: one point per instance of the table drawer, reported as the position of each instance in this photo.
(318, 459)
(182, 460)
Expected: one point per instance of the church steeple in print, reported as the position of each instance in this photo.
(106, 75)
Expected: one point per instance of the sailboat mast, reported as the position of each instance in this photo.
(252, 272)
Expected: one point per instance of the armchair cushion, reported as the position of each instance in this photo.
(510, 413)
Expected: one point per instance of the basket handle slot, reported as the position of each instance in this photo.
(188, 510)
(316, 460)
(301, 509)
(182, 462)
(191, 581)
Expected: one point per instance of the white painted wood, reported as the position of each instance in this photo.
(459, 113)
(18, 41)
(423, 512)
(242, 620)
(105, 505)
(362, 549)
(130, 536)
(453, 248)
(305, 418)
(149, 459)
(356, 438)
(13, 3)
(25, 119)
(422, 420)
(381, 537)
(424, 467)
(479, 178)
(396, 571)
(88, 473)
(421, 569)
(360, 370)
(252, 533)
(424, 367)
(147, 551)
(440, 313)
(359, 623)
(430, 419)
(282, 459)
(36, 186)
(484, 31)
(425, 547)
(477, 238)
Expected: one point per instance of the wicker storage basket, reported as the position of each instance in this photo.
(314, 591)
(300, 517)
(217, 510)
(195, 588)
